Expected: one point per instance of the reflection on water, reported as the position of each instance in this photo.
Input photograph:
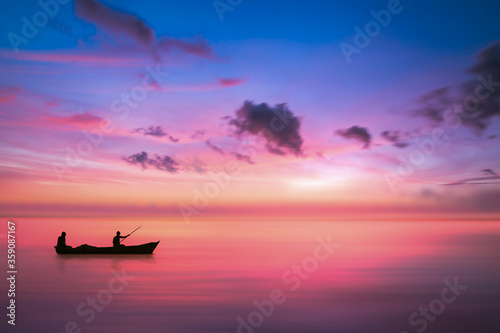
(114, 260)
(270, 276)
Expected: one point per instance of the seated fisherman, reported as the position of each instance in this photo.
(61, 241)
(116, 239)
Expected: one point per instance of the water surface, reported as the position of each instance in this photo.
(207, 276)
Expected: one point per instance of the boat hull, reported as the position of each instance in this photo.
(147, 248)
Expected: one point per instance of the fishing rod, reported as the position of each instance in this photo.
(130, 234)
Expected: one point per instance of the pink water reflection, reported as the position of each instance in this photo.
(205, 275)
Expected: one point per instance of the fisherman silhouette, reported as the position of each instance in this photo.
(61, 241)
(116, 239)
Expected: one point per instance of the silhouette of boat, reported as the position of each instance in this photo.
(147, 248)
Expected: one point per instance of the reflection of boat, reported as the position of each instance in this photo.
(147, 248)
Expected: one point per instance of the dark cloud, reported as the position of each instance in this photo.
(198, 47)
(488, 60)
(157, 131)
(151, 130)
(395, 137)
(174, 140)
(477, 101)
(491, 178)
(139, 158)
(435, 103)
(278, 125)
(392, 136)
(436, 94)
(239, 156)
(401, 144)
(198, 134)
(122, 23)
(356, 133)
(214, 147)
(275, 150)
(489, 172)
(242, 157)
(164, 163)
(115, 21)
(477, 181)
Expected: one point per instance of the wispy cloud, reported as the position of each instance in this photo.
(196, 165)
(121, 23)
(242, 157)
(478, 99)
(8, 94)
(198, 134)
(396, 138)
(219, 150)
(230, 82)
(491, 179)
(215, 148)
(489, 172)
(88, 58)
(81, 119)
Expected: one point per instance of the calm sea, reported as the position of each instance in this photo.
(259, 275)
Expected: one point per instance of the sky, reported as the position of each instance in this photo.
(194, 107)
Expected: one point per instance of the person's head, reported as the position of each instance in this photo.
(63, 234)
(118, 233)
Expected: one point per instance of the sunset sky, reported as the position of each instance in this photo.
(151, 106)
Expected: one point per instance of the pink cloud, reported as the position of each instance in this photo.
(84, 119)
(52, 104)
(230, 82)
(8, 94)
(94, 59)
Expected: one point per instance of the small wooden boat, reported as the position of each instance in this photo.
(147, 248)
